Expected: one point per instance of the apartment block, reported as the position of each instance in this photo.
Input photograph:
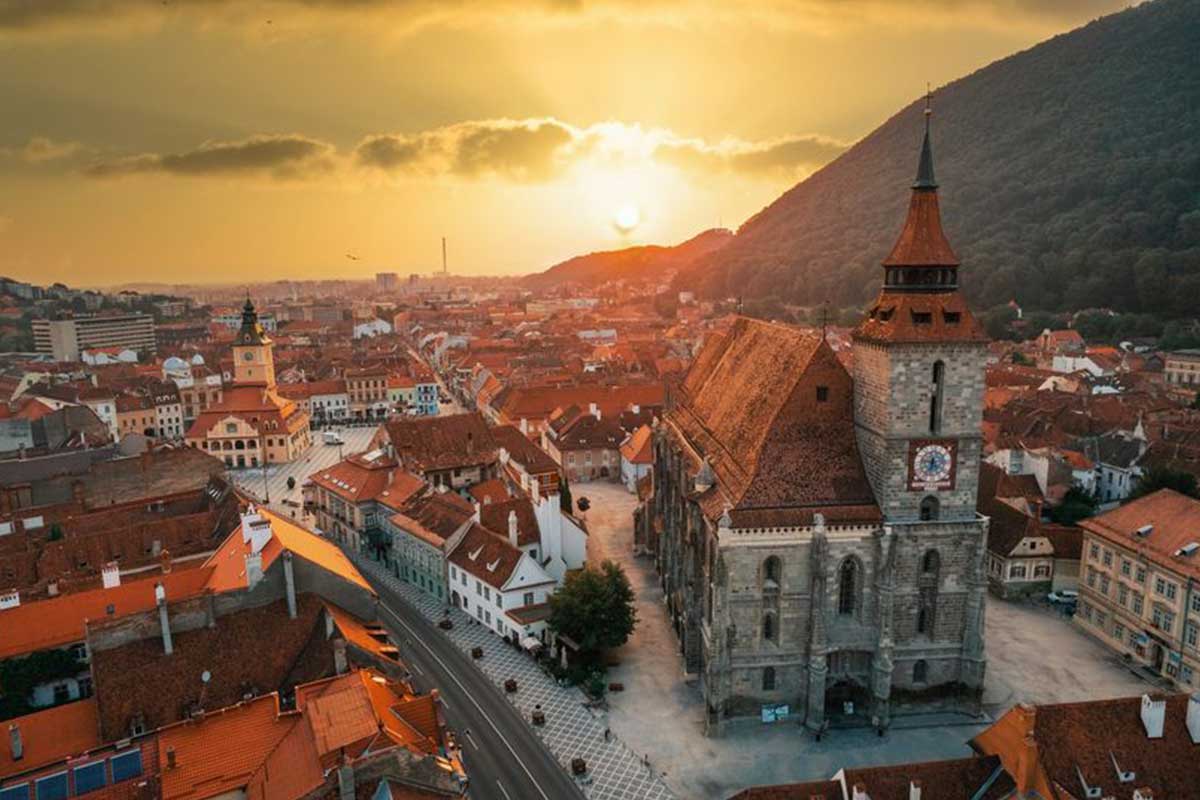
(66, 339)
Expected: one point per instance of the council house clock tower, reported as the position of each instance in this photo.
(918, 373)
(253, 362)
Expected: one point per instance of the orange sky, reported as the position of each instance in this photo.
(211, 140)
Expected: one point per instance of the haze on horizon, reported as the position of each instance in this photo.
(224, 141)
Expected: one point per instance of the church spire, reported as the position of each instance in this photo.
(925, 180)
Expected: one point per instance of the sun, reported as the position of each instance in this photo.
(627, 217)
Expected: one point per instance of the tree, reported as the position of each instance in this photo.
(1076, 505)
(1165, 478)
(594, 608)
(291, 482)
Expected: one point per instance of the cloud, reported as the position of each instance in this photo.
(521, 150)
(787, 155)
(534, 150)
(40, 149)
(289, 156)
(89, 16)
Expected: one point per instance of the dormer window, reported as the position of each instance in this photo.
(922, 318)
(822, 394)
(952, 317)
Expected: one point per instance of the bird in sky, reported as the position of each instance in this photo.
(352, 257)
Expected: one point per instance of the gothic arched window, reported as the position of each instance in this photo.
(935, 397)
(930, 508)
(931, 563)
(920, 672)
(768, 679)
(772, 572)
(848, 586)
(768, 627)
(923, 620)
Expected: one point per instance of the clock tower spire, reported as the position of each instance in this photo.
(918, 370)
(253, 361)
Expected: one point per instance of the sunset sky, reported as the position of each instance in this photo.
(226, 140)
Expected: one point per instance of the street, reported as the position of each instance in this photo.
(503, 757)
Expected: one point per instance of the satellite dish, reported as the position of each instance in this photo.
(205, 676)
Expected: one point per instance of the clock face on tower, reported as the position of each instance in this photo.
(248, 355)
(931, 464)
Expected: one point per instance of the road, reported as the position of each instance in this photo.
(504, 759)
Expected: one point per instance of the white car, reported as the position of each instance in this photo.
(1068, 596)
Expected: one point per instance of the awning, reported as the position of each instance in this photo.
(530, 643)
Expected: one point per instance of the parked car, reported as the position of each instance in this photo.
(1065, 596)
(332, 437)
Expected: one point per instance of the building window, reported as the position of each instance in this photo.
(848, 586)
(768, 627)
(772, 572)
(1139, 575)
(768, 679)
(935, 398)
(1126, 567)
(527, 599)
(822, 394)
(1137, 603)
(1094, 552)
(1119, 632)
(931, 563)
(1108, 558)
(929, 508)
(1017, 571)
(1191, 635)
(920, 672)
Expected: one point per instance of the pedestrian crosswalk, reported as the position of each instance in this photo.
(572, 730)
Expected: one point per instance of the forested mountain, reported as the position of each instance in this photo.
(1070, 178)
(648, 262)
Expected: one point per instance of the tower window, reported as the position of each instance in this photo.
(920, 672)
(848, 586)
(768, 679)
(822, 394)
(929, 510)
(768, 627)
(935, 397)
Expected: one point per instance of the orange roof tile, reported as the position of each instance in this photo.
(52, 735)
(60, 621)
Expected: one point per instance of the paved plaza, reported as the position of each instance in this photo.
(572, 730)
(273, 480)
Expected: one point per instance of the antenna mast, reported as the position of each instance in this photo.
(445, 269)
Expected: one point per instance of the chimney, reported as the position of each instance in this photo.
(914, 790)
(594, 410)
(15, 743)
(254, 569)
(637, 409)
(289, 578)
(1154, 714)
(475, 516)
(171, 763)
(52, 588)
(164, 561)
(859, 792)
(534, 489)
(512, 528)
(110, 575)
(160, 598)
(339, 656)
(345, 775)
(524, 426)
(10, 599)
(1144, 793)
(1193, 717)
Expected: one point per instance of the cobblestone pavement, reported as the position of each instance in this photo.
(616, 772)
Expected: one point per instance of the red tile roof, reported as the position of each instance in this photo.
(52, 735)
(1173, 517)
(638, 448)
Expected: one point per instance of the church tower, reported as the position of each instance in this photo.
(919, 372)
(253, 363)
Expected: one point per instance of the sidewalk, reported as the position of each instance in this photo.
(571, 729)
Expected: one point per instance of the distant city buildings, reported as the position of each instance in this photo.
(68, 339)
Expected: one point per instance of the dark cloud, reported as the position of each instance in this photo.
(788, 155)
(286, 156)
(28, 15)
(525, 150)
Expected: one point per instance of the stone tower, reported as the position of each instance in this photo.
(253, 363)
(919, 372)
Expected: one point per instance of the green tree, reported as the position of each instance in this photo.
(594, 608)
(1076, 505)
(1165, 478)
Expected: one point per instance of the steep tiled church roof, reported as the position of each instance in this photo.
(771, 407)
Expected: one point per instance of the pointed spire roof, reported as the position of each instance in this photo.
(922, 242)
(251, 332)
(925, 179)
